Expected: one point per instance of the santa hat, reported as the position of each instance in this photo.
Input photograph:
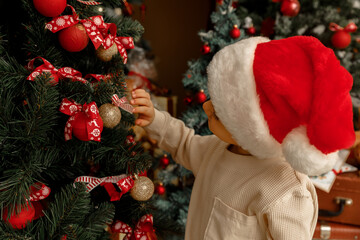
(284, 98)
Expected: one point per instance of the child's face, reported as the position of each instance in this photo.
(215, 126)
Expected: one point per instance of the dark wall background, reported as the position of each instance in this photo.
(171, 29)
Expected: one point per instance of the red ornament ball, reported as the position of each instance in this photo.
(50, 8)
(251, 30)
(164, 161)
(341, 39)
(290, 8)
(200, 97)
(73, 38)
(160, 189)
(19, 221)
(80, 126)
(205, 49)
(235, 32)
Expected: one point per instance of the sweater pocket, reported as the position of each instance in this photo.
(226, 223)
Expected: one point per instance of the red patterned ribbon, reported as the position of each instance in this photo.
(121, 227)
(122, 103)
(124, 182)
(91, 3)
(39, 191)
(122, 43)
(93, 25)
(351, 27)
(96, 77)
(143, 230)
(73, 109)
(65, 72)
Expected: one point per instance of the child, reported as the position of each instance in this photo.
(279, 110)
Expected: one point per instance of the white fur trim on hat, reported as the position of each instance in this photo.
(233, 93)
(305, 157)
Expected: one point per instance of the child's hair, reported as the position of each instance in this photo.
(287, 97)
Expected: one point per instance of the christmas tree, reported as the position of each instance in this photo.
(70, 168)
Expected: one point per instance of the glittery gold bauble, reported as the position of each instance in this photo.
(110, 114)
(143, 189)
(106, 54)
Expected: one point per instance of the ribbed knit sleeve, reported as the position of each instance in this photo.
(173, 136)
(293, 216)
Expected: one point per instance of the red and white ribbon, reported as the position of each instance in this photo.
(121, 227)
(96, 77)
(93, 182)
(90, 3)
(65, 72)
(122, 43)
(122, 103)
(124, 182)
(143, 230)
(73, 109)
(39, 191)
(93, 25)
(351, 27)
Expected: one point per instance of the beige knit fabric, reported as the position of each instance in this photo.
(235, 196)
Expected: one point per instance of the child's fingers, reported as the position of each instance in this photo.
(141, 102)
(140, 93)
(143, 110)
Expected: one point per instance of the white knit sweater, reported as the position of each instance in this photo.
(236, 196)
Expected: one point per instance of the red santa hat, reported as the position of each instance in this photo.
(284, 98)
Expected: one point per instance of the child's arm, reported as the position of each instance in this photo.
(172, 135)
(294, 217)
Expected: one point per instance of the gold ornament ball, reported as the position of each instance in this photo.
(143, 189)
(110, 114)
(106, 55)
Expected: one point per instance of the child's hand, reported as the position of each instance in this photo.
(145, 107)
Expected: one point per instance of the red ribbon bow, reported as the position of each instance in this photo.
(124, 182)
(65, 72)
(122, 103)
(92, 25)
(351, 27)
(143, 230)
(122, 43)
(73, 109)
